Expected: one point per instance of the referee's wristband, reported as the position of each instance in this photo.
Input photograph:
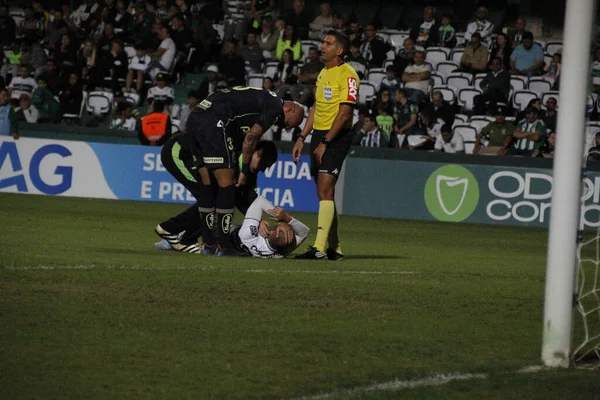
(246, 169)
(302, 137)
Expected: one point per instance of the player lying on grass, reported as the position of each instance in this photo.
(255, 238)
(181, 233)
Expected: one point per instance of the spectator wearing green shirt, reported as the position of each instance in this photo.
(529, 135)
(371, 135)
(289, 40)
(405, 115)
(498, 134)
(384, 120)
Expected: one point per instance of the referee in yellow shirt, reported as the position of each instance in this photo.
(330, 120)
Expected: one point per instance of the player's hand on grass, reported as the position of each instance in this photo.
(264, 228)
(318, 153)
(297, 150)
(279, 214)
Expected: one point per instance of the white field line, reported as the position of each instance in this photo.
(204, 269)
(434, 380)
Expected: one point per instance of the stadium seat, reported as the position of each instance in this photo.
(307, 44)
(553, 48)
(436, 55)
(592, 101)
(468, 133)
(457, 55)
(540, 84)
(374, 76)
(553, 93)
(390, 55)
(130, 50)
(591, 129)
(547, 58)
(360, 68)
(448, 92)
(366, 93)
(270, 69)
(436, 79)
(459, 79)
(461, 118)
(465, 97)
(132, 98)
(386, 63)
(175, 126)
(510, 119)
(480, 121)
(397, 39)
(478, 78)
(460, 39)
(446, 67)
(255, 80)
(521, 98)
(518, 82)
(99, 102)
(77, 117)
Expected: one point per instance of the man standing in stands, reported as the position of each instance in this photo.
(425, 33)
(8, 118)
(331, 117)
(156, 127)
(374, 48)
(481, 25)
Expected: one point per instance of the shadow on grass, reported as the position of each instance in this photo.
(374, 257)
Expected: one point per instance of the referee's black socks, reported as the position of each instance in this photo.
(225, 206)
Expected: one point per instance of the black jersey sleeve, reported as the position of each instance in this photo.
(271, 111)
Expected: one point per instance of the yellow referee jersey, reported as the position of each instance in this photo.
(335, 86)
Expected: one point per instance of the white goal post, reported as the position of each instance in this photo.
(566, 194)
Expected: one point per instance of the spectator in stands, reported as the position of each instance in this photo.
(373, 48)
(519, 31)
(303, 92)
(105, 41)
(268, 84)
(114, 65)
(416, 78)
(356, 60)
(161, 10)
(142, 24)
(137, 69)
(404, 57)
(495, 86)
(502, 48)
(370, 135)
(71, 96)
(321, 24)
(446, 34)
(161, 92)
(535, 103)
(260, 9)
(232, 66)
(32, 26)
(300, 18)
(8, 28)
(440, 109)
(182, 36)
(498, 134)
(267, 39)
(33, 56)
(529, 135)
(595, 72)
(337, 23)
(193, 99)
(475, 57)
(26, 112)
(389, 82)
(553, 68)
(43, 99)
(425, 32)
(13, 56)
(527, 58)
(383, 100)
(385, 121)
(362, 113)
(66, 57)
(123, 21)
(252, 53)
(21, 84)
(209, 84)
(550, 116)
(156, 127)
(51, 76)
(405, 114)
(431, 126)
(163, 58)
(354, 31)
(124, 121)
(594, 152)
(481, 25)
(289, 40)
(90, 74)
(53, 31)
(279, 27)
(287, 74)
(8, 118)
(546, 150)
(448, 142)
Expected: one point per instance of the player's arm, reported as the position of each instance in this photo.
(248, 149)
(301, 231)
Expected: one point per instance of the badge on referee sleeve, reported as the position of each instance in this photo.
(352, 89)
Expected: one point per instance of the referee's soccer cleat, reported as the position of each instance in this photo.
(334, 255)
(311, 254)
(172, 238)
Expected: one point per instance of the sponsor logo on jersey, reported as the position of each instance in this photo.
(212, 160)
(328, 93)
(352, 89)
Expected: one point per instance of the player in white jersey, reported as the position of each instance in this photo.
(257, 240)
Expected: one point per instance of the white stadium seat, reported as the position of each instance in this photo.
(545, 96)
(462, 118)
(132, 98)
(553, 48)
(436, 55)
(521, 98)
(397, 39)
(99, 102)
(366, 93)
(374, 76)
(459, 79)
(446, 67)
(478, 78)
(540, 84)
(480, 121)
(255, 81)
(468, 133)
(518, 82)
(465, 96)
(448, 92)
(270, 69)
(436, 79)
(457, 55)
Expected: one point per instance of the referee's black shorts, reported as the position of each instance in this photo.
(335, 154)
(215, 146)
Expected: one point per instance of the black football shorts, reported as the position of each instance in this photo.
(215, 146)
(335, 154)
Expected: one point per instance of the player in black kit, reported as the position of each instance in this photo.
(218, 128)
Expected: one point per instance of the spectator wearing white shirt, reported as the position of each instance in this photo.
(416, 78)
(21, 84)
(137, 68)
(163, 58)
(124, 121)
(26, 112)
(193, 98)
(370, 135)
(448, 142)
(480, 25)
(161, 91)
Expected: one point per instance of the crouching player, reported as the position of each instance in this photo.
(256, 239)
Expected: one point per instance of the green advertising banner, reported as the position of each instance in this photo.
(490, 194)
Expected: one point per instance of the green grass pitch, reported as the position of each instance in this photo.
(90, 310)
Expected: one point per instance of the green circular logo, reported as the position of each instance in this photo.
(451, 193)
